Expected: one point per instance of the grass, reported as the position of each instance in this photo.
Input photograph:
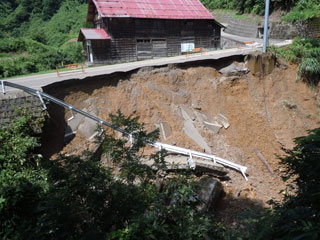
(5, 55)
(41, 72)
(235, 15)
(289, 103)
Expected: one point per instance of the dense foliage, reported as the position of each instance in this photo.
(34, 56)
(306, 53)
(301, 9)
(39, 35)
(249, 6)
(78, 198)
(304, 10)
(299, 216)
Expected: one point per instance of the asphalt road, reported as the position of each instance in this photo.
(41, 80)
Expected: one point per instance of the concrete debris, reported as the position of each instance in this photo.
(261, 63)
(75, 122)
(193, 133)
(188, 114)
(88, 127)
(165, 130)
(231, 78)
(224, 121)
(213, 126)
(234, 70)
(72, 127)
(211, 168)
(196, 106)
(177, 162)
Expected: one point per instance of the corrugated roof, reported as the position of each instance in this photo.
(162, 9)
(93, 34)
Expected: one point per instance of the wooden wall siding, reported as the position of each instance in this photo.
(161, 38)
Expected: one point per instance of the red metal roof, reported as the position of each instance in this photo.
(163, 9)
(93, 34)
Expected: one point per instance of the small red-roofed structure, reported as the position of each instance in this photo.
(130, 30)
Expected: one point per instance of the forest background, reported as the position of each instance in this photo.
(38, 35)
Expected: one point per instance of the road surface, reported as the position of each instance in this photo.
(41, 80)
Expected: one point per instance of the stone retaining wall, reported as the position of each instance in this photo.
(243, 28)
(12, 101)
(277, 30)
(314, 27)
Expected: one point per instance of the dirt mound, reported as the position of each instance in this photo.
(264, 113)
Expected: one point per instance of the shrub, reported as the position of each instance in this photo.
(299, 216)
(306, 53)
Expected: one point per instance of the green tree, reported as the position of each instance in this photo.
(299, 216)
(76, 197)
(22, 181)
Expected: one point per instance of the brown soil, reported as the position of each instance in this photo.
(265, 114)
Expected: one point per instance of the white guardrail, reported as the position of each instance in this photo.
(159, 145)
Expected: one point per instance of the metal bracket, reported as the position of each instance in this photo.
(190, 161)
(72, 117)
(130, 139)
(102, 129)
(243, 171)
(214, 160)
(3, 87)
(43, 103)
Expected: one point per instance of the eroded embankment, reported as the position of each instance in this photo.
(264, 113)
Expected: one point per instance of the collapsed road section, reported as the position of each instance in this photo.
(170, 148)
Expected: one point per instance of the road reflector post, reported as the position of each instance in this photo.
(58, 74)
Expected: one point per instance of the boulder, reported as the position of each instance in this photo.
(234, 69)
(210, 192)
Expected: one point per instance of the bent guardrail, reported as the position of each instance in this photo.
(159, 145)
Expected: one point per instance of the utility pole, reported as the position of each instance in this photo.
(266, 24)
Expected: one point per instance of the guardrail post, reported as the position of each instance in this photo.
(102, 128)
(244, 174)
(57, 69)
(43, 103)
(3, 87)
(130, 139)
(72, 115)
(190, 161)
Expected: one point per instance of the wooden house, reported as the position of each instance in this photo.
(131, 30)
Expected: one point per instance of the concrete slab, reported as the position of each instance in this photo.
(165, 130)
(214, 126)
(75, 122)
(88, 127)
(224, 120)
(188, 114)
(193, 133)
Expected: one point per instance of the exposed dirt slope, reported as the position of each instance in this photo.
(265, 114)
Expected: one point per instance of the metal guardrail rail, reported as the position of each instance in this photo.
(159, 145)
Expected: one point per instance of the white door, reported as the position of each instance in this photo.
(89, 50)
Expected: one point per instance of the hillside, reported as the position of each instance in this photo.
(39, 35)
(51, 28)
